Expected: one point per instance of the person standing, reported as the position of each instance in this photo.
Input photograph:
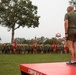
(70, 33)
(34, 45)
(14, 46)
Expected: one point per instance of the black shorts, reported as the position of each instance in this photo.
(72, 35)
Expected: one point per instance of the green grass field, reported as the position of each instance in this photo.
(9, 63)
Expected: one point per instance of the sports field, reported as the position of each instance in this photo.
(9, 63)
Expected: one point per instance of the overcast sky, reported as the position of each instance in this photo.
(51, 21)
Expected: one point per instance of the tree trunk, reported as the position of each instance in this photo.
(12, 39)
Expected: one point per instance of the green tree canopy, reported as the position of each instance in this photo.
(16, 13)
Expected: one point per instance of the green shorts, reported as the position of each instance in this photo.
(72, 34)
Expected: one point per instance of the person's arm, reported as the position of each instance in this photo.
(66, 26)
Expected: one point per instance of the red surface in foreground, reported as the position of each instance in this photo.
(59, 68)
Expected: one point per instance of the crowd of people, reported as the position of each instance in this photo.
(31, 49)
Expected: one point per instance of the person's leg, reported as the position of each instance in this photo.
(71, 50)
(75, 50)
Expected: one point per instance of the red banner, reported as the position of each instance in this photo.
(14, 46)
(54, 46)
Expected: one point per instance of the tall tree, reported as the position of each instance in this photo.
(73, 3)
(16, 13)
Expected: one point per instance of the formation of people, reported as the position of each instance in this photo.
(32, 49)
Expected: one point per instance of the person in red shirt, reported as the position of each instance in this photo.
(54, 46)
(14, 46)
(65, 47)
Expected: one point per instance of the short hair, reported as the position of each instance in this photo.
(70, 8)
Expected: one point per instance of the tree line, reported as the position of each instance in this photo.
(24, 46)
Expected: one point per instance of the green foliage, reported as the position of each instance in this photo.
(21, 13)
(48, 41)
(16, 13)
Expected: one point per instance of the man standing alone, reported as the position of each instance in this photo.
(70, 32)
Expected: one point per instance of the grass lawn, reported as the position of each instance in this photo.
(9, 63)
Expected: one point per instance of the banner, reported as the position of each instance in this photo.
(54, 47)
(14, 46)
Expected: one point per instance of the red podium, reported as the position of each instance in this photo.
(59, 68)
